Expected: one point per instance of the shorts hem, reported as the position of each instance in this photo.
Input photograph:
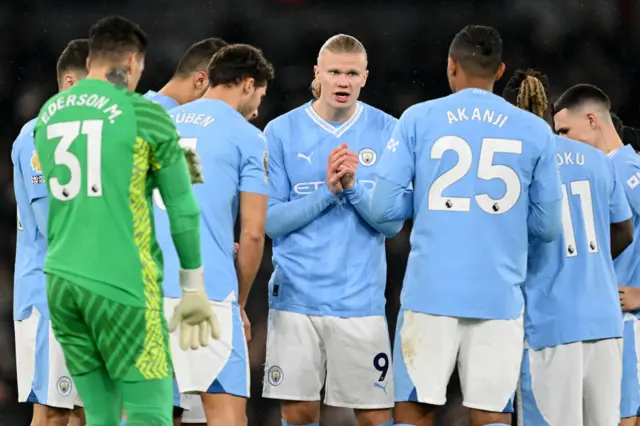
(485, 407)
(440, 403)
(53, 405)
(292, 398)
(387, 406)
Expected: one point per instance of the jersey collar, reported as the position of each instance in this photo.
(328, 127)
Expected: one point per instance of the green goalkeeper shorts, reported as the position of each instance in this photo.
(131, 342)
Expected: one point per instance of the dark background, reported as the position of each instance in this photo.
(572, 41)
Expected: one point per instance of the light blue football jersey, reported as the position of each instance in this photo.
(626, 163)
(164, 101)
(571, 291)
(328, 255)
(31, 244)
(232, 154)
(477, 164)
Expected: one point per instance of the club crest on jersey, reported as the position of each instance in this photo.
(35, 162)
(275, 376)
(64, 386)
(265, 163)
(367, 157)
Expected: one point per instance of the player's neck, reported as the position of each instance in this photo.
(474, 83)
(114, 74)
(175, 90)
(225, 94)
(333, 115)
(610, 140)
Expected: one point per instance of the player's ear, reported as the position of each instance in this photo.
(593, 120)
(364, 80)
(200, 80)
(248, 85)
(68, 80)
(501, 69)
(316, 71)
(451, 67)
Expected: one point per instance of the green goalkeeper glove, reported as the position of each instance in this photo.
(193, 162)
(193, 314)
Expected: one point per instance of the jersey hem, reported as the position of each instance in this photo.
(101, 288)
(304, 310)
(481, 315)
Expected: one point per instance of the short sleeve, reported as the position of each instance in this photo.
(628, 172)
(619, 209)
(27, 162)
(398, 158)
(254, 164)
(546, 185)
(279, 186)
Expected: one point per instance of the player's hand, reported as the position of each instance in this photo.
(194, 314)
(348, 166)
(193, 162)
(246, 324)
(629, 298)
(336, 158)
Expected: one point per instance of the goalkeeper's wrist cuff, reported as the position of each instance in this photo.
(192, 279)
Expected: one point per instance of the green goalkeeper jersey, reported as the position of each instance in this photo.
(100, 147)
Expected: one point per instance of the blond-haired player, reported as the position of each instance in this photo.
(327, 324)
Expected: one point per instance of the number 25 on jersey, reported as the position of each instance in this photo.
(486, 171)
(68, 132)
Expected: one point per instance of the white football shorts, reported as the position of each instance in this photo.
(573, 384)
(220, 367)
(488, 353)
(352, 354)
(42, 372)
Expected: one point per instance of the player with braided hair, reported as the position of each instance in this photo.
(572, 363)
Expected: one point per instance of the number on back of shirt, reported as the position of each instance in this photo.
(68, 132)
(582, 189)
(486, 171)
(188, 143)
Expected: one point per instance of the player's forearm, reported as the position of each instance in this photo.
(248, 262)
(390, 202)
(360, 199)
(286, 217)
(174, 183)
(545, 220)
(40, 208)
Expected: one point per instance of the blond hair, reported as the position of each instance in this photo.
(532, 97)
(339, 43)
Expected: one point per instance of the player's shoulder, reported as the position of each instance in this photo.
(421, 110)
(625, 155)
(24, 138)
(566, 144)
(147, 111)
(284, 122)
(376, 117)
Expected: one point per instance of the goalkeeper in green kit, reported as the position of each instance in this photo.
(103, 149)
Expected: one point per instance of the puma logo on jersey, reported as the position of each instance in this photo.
(306, 157)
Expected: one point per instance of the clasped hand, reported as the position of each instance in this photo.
(341, 169)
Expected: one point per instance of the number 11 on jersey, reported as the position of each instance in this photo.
(581, 188)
